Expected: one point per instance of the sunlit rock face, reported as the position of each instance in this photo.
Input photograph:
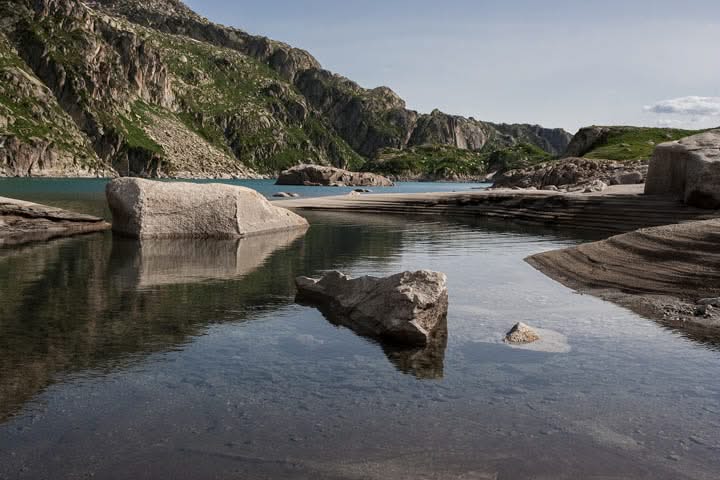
(149, 209)
(404, 308)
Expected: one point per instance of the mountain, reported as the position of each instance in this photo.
(150, 88)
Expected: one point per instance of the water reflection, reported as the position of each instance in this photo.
(97, 303)
(426, 363)
(167, 262)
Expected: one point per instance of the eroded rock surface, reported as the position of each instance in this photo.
(314, 175)
(405, 308)
(689, 168)
(152, 209)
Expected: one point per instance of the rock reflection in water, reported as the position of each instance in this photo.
(160, 262)
(426, 363)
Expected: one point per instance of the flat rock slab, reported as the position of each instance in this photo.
(23, 222)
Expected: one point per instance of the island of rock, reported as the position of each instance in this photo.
(318, 175)
(152, 209)
(405, 308)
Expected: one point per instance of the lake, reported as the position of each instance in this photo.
(191, 359)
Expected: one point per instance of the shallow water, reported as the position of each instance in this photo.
(191, 360)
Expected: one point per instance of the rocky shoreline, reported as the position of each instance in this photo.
(24, 222)
(663, 273)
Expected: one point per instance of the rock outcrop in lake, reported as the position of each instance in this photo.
(153, 209)
(688, 168)
(318, 175)
(404, 308)
(23, 222)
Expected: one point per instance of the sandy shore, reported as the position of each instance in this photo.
(22, 222)
(659, 272)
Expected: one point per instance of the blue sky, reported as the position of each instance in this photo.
(554, 62)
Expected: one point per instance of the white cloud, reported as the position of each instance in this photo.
(695, 106)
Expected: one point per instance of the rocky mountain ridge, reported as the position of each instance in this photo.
(153, 89)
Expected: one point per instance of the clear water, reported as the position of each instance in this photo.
(192, 360)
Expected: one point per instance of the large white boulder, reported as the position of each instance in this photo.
(404, 308)
(688, 168)
(152, 209)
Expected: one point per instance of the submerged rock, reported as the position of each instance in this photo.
(521, 334)
(689, 168)
(319, 175)
(405, 308)
(151, 209)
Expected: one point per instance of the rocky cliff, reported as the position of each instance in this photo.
(150, 88)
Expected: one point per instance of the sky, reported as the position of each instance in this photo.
(558, 63)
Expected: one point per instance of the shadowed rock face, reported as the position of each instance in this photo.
(148, 209)
(404, 308)
(688, 168)
(319, 175)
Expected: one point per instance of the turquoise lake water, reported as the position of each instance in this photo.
(190, 359)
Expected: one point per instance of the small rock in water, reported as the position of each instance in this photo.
(362, 190)
(405, 308)
(282, 195)
(521, 334)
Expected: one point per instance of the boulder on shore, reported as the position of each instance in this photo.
(688, 168)
(405, 308)
(152, 209)
(320, 175)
